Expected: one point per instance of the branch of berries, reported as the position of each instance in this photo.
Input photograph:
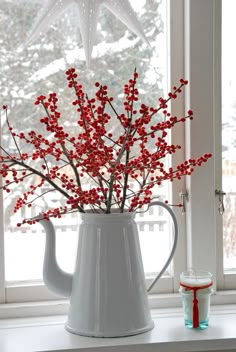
(114, 160)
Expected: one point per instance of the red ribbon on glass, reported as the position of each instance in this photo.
(195, 300)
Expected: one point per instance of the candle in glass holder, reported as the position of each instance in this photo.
(196, 289)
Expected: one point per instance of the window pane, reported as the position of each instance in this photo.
(38, 68)
(229, 133)
(155, 233)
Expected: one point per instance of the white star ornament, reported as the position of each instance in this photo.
(88, 11)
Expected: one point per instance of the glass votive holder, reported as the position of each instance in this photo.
(196, 289)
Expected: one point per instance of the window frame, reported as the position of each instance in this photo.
(36, 291)
(200, 69)
(203, 68)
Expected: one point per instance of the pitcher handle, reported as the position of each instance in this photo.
(170, 211)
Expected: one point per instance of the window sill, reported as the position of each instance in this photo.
(169, 334)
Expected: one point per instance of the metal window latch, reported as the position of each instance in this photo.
(220, 195)
(184, 198)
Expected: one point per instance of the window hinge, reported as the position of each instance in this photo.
(220, 195)
(183, 199)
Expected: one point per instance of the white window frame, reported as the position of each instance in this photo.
(203, 68)
(196, 56)
(200, 70)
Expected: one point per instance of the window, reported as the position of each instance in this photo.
(228, 138)
(227, 142)
(186, 43)
(39, 68)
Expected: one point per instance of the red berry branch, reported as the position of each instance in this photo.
(111, 150)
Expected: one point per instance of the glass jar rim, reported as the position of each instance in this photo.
(192, 273)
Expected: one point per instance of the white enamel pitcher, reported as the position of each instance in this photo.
(108, 295)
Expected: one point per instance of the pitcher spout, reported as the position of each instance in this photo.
(54, 277)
